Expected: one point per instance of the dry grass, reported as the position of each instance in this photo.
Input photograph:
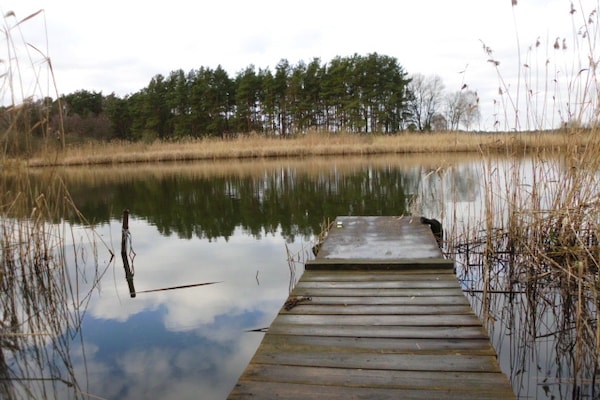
(308, 145)
(42, 308)
(528, 249)
(536, 242)
(531, 249)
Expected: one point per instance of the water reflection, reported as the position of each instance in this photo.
(539, 302)
(215, 222)
(234, 223)
(212, 200)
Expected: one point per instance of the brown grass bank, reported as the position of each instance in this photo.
(312, 144)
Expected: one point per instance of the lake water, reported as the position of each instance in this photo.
(242, 227)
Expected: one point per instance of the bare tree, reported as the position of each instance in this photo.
(462, 108)
(439, 122)
(425, 97)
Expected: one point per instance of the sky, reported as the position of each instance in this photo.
(118, 46)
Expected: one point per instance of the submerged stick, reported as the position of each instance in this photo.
(124, 236)
(179, 287)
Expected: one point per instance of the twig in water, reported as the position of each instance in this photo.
(258, 330)
(179, 287)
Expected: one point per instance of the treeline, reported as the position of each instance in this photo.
(359, 94)
(355, 94)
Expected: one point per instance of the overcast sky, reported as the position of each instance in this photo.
(118, 46)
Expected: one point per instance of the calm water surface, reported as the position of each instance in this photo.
(235, 225)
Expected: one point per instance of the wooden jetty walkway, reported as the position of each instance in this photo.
(379, 314)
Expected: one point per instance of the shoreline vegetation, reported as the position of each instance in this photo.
(307, 145)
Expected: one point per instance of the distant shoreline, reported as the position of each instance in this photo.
(257, 147)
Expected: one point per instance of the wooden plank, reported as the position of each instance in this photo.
(388, 300)
(409, 292)
(379, 238)
(406, 332)
(364, 276)
(384, 345)
(383, 361)
(312, 307)
(389, 284)
(409, 264)
(275, 390)
(381, 320)
(482, 382)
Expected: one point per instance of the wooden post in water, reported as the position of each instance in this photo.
(124, 235)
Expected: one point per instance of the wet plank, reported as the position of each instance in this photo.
(379, 239)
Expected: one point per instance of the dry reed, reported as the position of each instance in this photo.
(312, 144)
(530, 254)
(42, 306)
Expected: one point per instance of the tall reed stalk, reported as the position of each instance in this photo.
(530, 255)
(42, 258)
(527, 246)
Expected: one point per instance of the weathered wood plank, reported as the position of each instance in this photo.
(300, 291)
(400, 264)
(482, 382)
(379, 238)
(380, 320)
(376, 300)
(289, 391)
(388, 284)
(366, 276)
(383, 361)
(406, 332)
(312, 307)
(384, 345)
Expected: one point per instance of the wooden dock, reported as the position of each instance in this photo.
(379, 314)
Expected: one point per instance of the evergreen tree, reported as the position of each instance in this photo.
(246, 100)
(355, 94)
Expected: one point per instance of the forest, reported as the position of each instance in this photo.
(356, 94)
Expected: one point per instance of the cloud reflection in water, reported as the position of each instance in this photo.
(187, 342)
